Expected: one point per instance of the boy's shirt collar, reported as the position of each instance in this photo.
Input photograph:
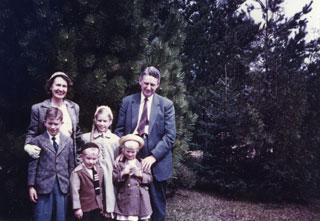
(89, 170)
(57, 137)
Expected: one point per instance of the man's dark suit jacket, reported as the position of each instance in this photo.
(161, 134)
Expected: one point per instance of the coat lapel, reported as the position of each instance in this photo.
(154, 111)
(135, 111)
(61, 143)
(72, 113)
(45, 139)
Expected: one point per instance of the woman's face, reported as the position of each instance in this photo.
(59, 88)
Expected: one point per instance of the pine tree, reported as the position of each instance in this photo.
(218, 47)
(279, 82)
(166, 43)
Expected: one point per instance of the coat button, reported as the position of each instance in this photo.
(137, 184)
(129, 184)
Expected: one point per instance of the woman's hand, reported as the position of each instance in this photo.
(32, 150)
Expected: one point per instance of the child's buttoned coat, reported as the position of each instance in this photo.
(132, 193)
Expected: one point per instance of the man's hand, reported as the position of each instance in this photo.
(32, 150)
(148, 162)
(78, 213)
(33, 194)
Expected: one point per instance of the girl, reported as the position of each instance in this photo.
(109, 150)
(133, 200)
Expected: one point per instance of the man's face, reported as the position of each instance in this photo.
(53, 125)
(148, 84)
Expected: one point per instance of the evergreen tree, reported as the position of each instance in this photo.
(218, 49)
(279, 95)
(166, 44)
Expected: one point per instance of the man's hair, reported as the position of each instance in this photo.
(152, 71)
(54, 113)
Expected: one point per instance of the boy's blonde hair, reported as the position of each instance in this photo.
(100, 110)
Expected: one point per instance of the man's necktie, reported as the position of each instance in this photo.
(55, 145)
(96, 181)
(143, 119)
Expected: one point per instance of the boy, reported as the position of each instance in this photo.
(48, 175)
(86, 182)
(133, 200)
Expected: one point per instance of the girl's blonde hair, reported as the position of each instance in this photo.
(100, 110)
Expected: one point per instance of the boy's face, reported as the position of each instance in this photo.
(53, 125)
(103, 122)
(90, 157)
(130, 149)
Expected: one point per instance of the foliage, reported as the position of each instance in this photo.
(253, 129)
(102, 46)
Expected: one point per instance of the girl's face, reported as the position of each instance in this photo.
(103, 122)
(130, 149)
(59, 88)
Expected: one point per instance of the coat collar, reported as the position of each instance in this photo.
(47, 103)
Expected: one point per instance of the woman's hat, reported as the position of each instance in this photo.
(131, 137)
(59, 73)
(89, 145)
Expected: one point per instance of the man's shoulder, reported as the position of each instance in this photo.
(162, 99)
(131, 96)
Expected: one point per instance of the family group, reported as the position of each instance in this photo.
(104, 175)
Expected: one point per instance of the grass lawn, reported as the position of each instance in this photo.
(195, 206)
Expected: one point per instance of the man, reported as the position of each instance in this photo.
(153, 118)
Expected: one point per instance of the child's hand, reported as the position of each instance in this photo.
(125, 171)
(78, 213)
(136, 172)
(33, 194)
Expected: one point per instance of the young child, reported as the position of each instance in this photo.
(133, 200)
(109, 150)
(48, 175)
(86, 185)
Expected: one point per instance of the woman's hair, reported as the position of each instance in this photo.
(100, 110)
(49, 82)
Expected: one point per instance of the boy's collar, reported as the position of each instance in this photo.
(95, 167)
(57, 136)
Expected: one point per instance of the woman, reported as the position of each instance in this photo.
(57, 86)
